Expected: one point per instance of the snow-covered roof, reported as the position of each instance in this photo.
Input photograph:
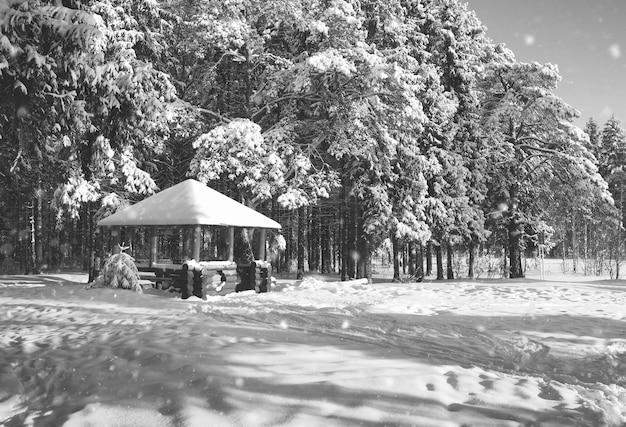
(189, 203)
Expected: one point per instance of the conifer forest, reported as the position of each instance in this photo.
(394, 131)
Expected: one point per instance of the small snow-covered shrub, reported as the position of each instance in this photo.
(489, 266)
(119, 272)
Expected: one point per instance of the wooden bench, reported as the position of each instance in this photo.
(157, 280)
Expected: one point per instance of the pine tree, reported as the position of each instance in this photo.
(612, 160)
(533, 142)
(592, 129)
(119, 271)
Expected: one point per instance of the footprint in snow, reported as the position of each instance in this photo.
(453, 379)
(486, 382)
(549, 393)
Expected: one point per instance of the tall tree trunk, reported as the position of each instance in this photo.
(275, 213)
(617, 252)
(23, 245)
(505, 258)
(396, 258)
(411, 259)
(574, 244)
(439, 256)
(301, 241)
(449, 266)
(360, 240)
(326, 243)
(352, 241)
(364, 259)
(290, 247)
(404, 258)
(93, 252)
(515, 249)
(564, 253)
(586, 252)
(419, 270)
(309, 240)
(77, 243)
(515, 253)
(314, 240)
(337, 242)
(619, 234)
(429, 259)
(287, 256)
(86, 238)
(470, 272)
(33, 240)
(47, 236)
(515, 238)
(345, 240)
(39, 261)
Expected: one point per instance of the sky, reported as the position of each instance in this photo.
(585, 38)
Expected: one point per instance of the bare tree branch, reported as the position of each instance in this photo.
(17, 158)
(540, 149)
(214, 114)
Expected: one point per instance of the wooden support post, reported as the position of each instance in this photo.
(262, 244)
(154, 240)
(197, 242)
(231, 244)
(116, 240)
(187, 247)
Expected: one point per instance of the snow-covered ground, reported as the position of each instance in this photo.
(315, 353)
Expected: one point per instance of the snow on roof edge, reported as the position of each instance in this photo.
(189, 203)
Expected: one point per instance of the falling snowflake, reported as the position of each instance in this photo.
(615, 51)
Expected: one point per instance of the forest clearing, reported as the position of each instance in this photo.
(486, 352)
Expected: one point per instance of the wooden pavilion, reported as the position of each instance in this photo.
(191, 208)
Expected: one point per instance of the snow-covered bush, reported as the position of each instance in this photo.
(489, 266)
(119, 272)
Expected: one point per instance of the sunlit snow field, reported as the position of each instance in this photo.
(485, 352)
